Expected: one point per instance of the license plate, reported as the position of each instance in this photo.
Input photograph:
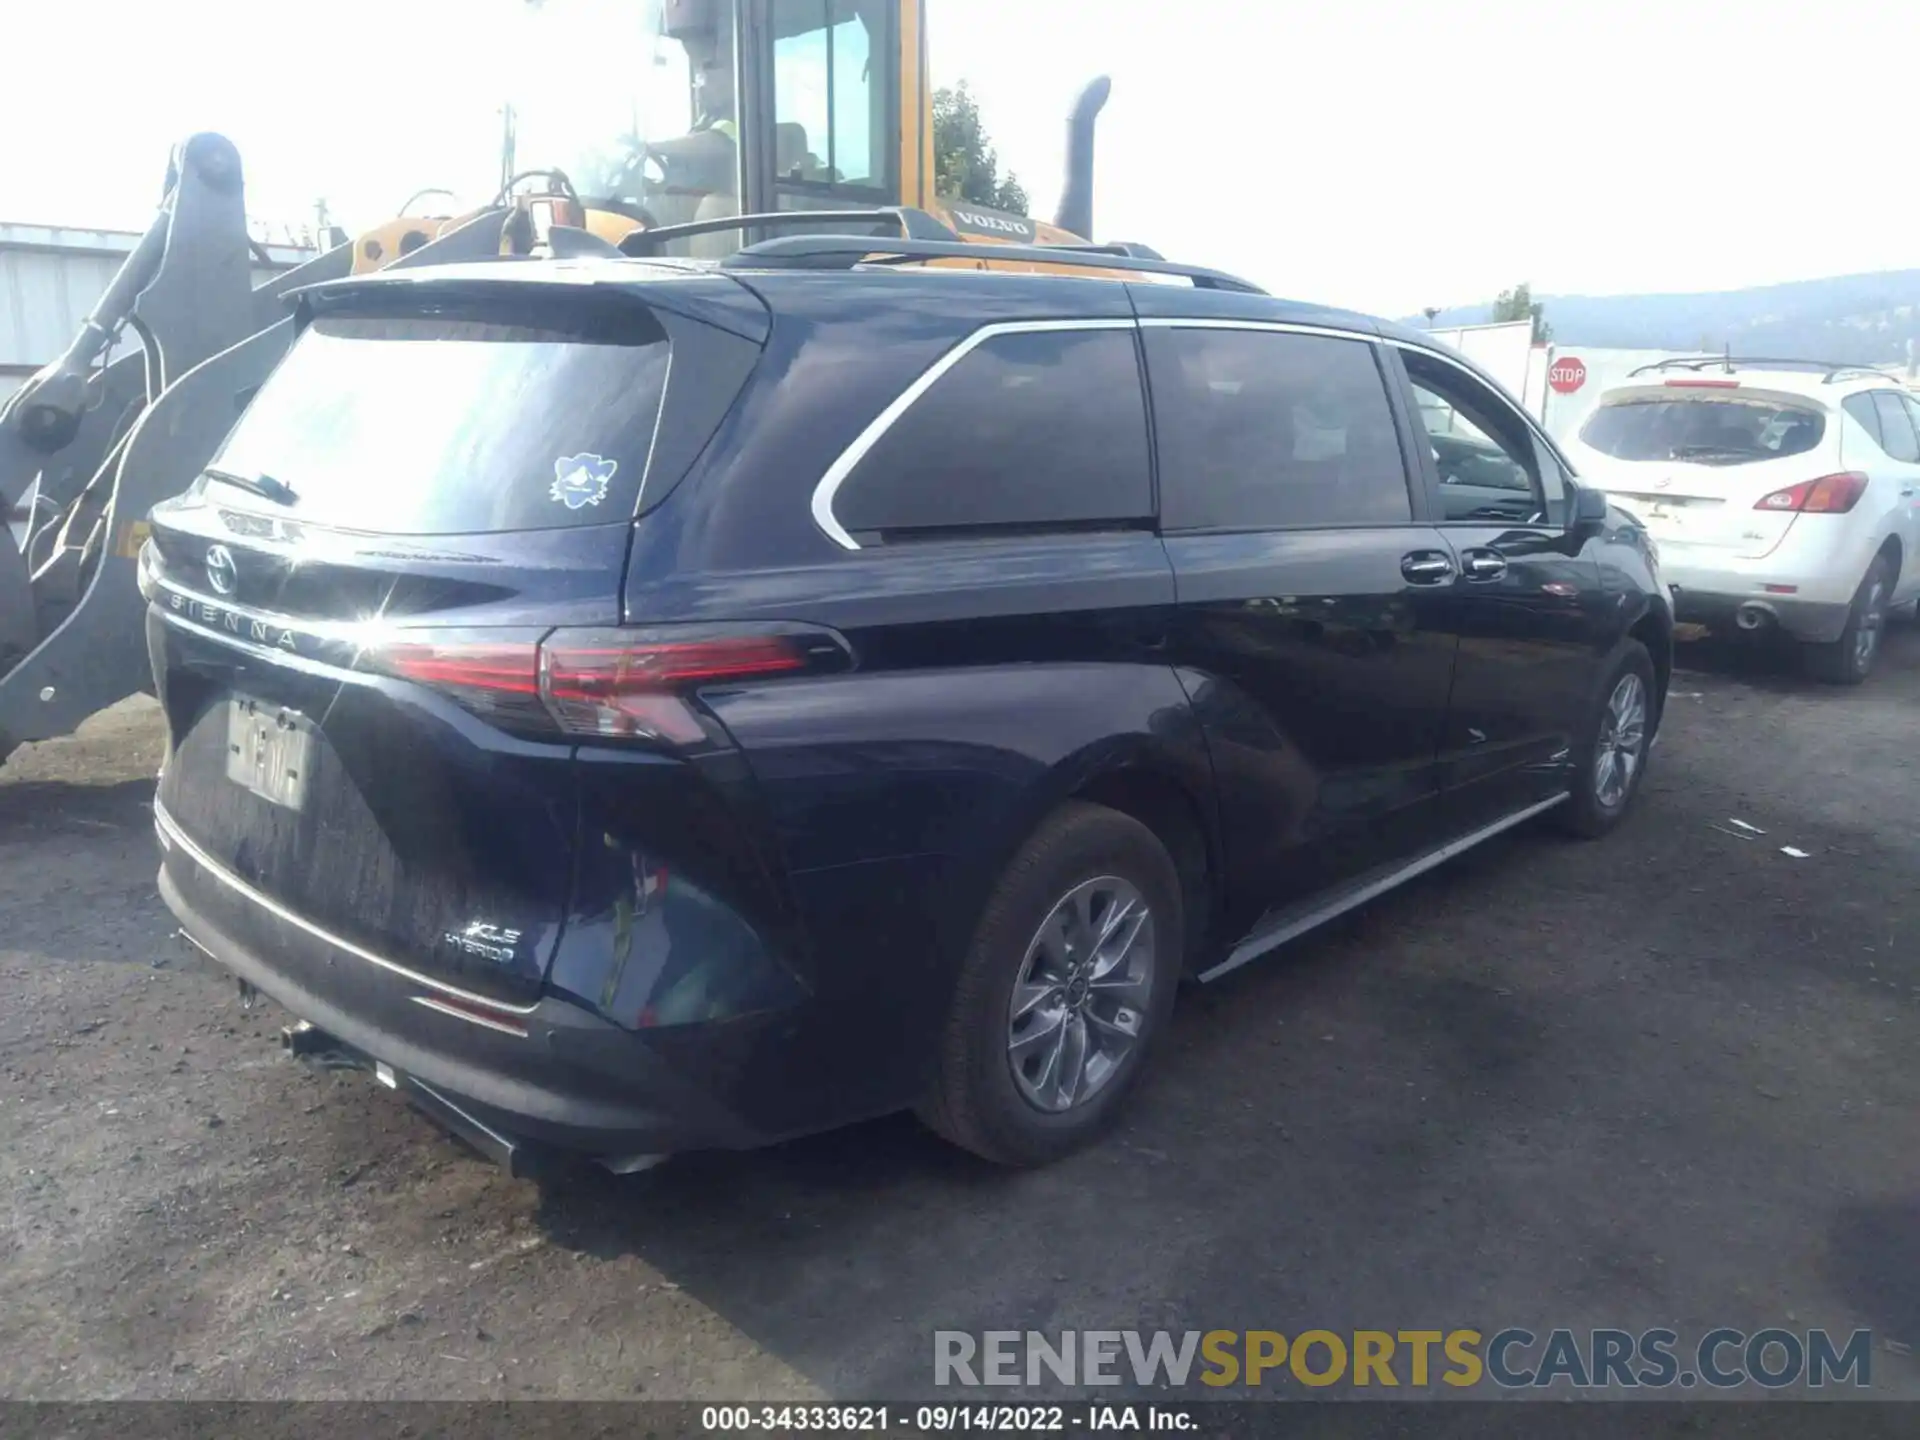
(1673, 517)
(269, 750)
(1663, 517)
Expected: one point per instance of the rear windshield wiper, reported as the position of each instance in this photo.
(265, 486)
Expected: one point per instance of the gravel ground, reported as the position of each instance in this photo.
(1668, 1078)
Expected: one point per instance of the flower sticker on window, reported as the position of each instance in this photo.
(581, 480)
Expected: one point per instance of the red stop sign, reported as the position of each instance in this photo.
(1567, 374)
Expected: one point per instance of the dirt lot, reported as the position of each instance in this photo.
(1670, 1078)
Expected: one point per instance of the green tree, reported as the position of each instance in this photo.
(1519, 304)
(965, 165)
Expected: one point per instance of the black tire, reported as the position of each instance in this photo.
(975, 1100)
(1590, 811)
(1849, 660)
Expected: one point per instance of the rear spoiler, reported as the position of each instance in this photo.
(1688, 387)
(1829, 370)
(689, 290)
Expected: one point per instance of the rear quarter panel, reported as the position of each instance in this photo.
(993, 682)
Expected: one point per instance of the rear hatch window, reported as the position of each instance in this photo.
(454, 424)
(1704, 428)
(1694, 458)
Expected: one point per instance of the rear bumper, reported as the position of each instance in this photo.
(1811, 620)
(553, 1078)
(1823, 567)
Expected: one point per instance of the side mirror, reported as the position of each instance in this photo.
(1589, 515)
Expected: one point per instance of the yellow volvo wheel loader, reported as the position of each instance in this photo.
(647, 127)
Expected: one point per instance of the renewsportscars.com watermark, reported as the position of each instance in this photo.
(1509, 1359)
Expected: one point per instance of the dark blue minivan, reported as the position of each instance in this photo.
(641, 705)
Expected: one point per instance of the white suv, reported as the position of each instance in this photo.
(1781, 493)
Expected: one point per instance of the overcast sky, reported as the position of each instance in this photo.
(1380, 155)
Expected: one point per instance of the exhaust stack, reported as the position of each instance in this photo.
(1076, 198)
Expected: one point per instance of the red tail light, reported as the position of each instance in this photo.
(621, 684)
(593, 687)
(1829, 495)
(499, 680)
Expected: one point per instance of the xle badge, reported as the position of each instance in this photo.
(581, 480)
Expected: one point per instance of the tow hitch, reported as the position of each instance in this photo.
(520, 1158)
(304, 1041)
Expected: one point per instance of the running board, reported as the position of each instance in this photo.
(1279, 926)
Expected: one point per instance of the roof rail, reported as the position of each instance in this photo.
(1829, 370)
(912, 224)
(1114, 247)
(844, 252)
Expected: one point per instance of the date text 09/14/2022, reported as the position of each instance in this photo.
(943, 1419)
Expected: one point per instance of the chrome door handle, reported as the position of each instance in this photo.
(1426, 567)
(1484, 565)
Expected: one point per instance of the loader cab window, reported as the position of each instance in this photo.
(652, 134)
(833, 101)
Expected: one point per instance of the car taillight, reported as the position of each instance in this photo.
(604, 683)
(1829, 495)
(604, 686)
(1703, 384)
(499, 680)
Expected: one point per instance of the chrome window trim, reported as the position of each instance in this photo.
(850, 458)
(170, 831)
(1281, 327)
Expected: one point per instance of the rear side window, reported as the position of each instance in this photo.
(1029, 429)
(1707, 429)
(1860, 407)
(1263, 429)
(442, 426)
(1896, 427)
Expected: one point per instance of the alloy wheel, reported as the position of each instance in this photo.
(1082, 993)
(1623, 733)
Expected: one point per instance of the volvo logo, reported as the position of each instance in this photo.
(1004, 224)
(222, 575)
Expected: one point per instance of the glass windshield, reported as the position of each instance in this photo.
(632, 114)
(1708, 430)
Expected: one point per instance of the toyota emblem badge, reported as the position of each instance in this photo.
(221, 573)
